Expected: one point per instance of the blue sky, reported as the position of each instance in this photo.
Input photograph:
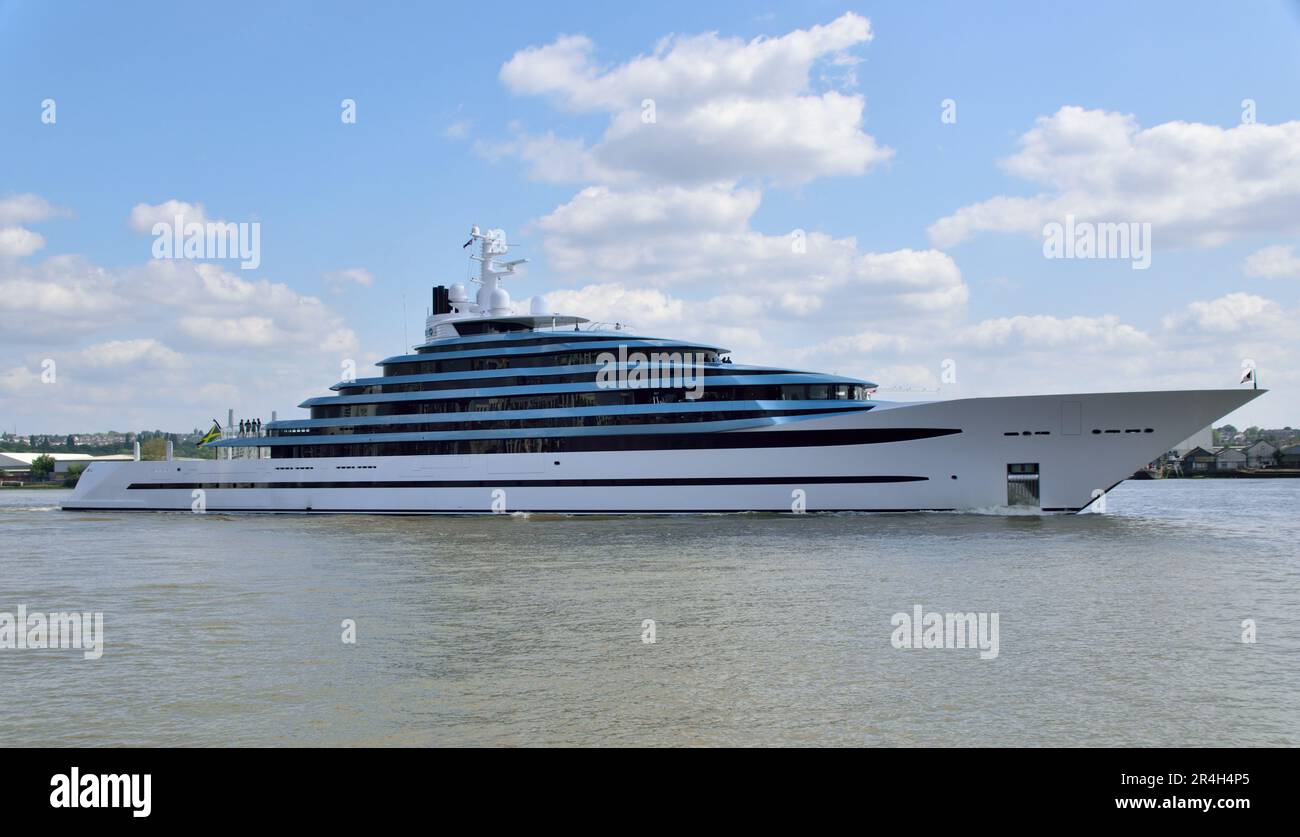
(237, 109)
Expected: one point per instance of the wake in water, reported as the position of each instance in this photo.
(1004, 511)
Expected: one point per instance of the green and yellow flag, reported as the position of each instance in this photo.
(214, 433)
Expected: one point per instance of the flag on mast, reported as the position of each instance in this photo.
(214, 433)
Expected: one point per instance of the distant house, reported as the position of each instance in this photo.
(19, 465)
(1262, 454)
(1229, 459)
(1198, 460)
(1291, 457)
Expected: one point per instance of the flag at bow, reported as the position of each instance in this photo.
(214, 433)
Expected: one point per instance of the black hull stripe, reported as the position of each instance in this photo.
(454, 513)
(627, 483)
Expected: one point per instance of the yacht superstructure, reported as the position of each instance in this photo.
(498, 411)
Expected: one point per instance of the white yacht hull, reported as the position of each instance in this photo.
(967, 469)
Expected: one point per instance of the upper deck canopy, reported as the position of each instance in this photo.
(473, 326)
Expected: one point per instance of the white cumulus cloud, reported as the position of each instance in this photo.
(1276, 262)
(1231, 313)
(1197, 185)
(165, 343)
(699, 109)
(28, 209)
(339, 280)
(144, 215)
(1041, 331)
(16, 242)
(661, 233)
(139, 351)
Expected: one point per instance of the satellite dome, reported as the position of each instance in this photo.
(499, 301)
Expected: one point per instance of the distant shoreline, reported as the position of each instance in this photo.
(1264, 473)
(38, 486)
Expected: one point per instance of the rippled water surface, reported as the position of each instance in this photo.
(1122, 628)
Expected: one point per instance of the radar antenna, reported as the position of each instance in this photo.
(492, 298)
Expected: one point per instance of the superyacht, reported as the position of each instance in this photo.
(502, 412)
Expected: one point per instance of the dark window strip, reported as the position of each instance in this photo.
(591, 398)
(395, 383)
(615, 442)
(570, 357)
(542, 339)
(606, 420)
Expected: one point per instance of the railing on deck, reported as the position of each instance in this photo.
(246, 452)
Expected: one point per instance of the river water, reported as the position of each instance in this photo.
(1123, 628)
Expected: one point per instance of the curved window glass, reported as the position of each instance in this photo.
(618, 419)
(599, 398)
(477, 364)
